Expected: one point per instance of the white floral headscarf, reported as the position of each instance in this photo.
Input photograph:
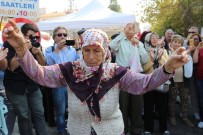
(99, 38)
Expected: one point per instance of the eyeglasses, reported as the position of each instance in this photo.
(60, 34)
(33, 37)
(196, 39)
(191, 32)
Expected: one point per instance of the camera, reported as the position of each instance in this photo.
(70, 42)
(34, 41)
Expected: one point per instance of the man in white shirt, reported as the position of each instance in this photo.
(132, 54)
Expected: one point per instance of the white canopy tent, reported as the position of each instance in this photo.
(94, 15)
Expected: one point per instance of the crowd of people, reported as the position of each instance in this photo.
(104, 86)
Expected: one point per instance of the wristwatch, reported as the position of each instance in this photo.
(77, 49)
(165, 70)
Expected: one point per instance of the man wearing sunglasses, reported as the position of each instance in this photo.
(193, 30)
(59, 53)
(23, 93)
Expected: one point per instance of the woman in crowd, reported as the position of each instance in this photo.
(93, 81)
(155, 99)
(178, 87)
(198, 59)
(143, 35)
(193, 41)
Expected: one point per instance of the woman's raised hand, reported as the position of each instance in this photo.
(176, 60)
(13, 35)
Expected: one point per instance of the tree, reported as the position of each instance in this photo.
(177, 14)
(115, 6)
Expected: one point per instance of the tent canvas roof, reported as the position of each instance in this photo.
(94, 15)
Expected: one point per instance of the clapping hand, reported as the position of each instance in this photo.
(160, 41)
(176, 60)
(160, 53)
(151, 53)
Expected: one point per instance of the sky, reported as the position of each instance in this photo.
(128, 6)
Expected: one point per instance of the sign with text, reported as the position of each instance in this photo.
(19, 8)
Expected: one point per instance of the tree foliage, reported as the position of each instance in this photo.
(176, 14)
(114, 6)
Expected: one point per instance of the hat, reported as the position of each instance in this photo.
(114, 36)
(80, 32)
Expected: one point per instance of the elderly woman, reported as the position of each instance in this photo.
(93, 81)
(157, 99)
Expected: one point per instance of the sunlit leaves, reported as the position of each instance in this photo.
(115, 6)
(177, 14)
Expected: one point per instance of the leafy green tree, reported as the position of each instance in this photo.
(176, 14)
(114, 6)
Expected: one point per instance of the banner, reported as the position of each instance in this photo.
(19, 8)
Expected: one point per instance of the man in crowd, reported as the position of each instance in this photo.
(132, 54)
(193, 30)
(168, 36)
(60, 53)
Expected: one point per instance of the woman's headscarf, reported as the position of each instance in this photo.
(90, 84)
(99, 38)
(143, 35)
(148, 45)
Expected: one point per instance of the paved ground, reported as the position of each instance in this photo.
(51, 131)
(181, 129)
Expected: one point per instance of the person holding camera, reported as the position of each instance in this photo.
(192, 41)
(62, 51)
(23, 93)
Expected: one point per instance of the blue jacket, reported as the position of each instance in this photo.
(3, 110)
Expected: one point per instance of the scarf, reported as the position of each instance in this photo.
(148, 47)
